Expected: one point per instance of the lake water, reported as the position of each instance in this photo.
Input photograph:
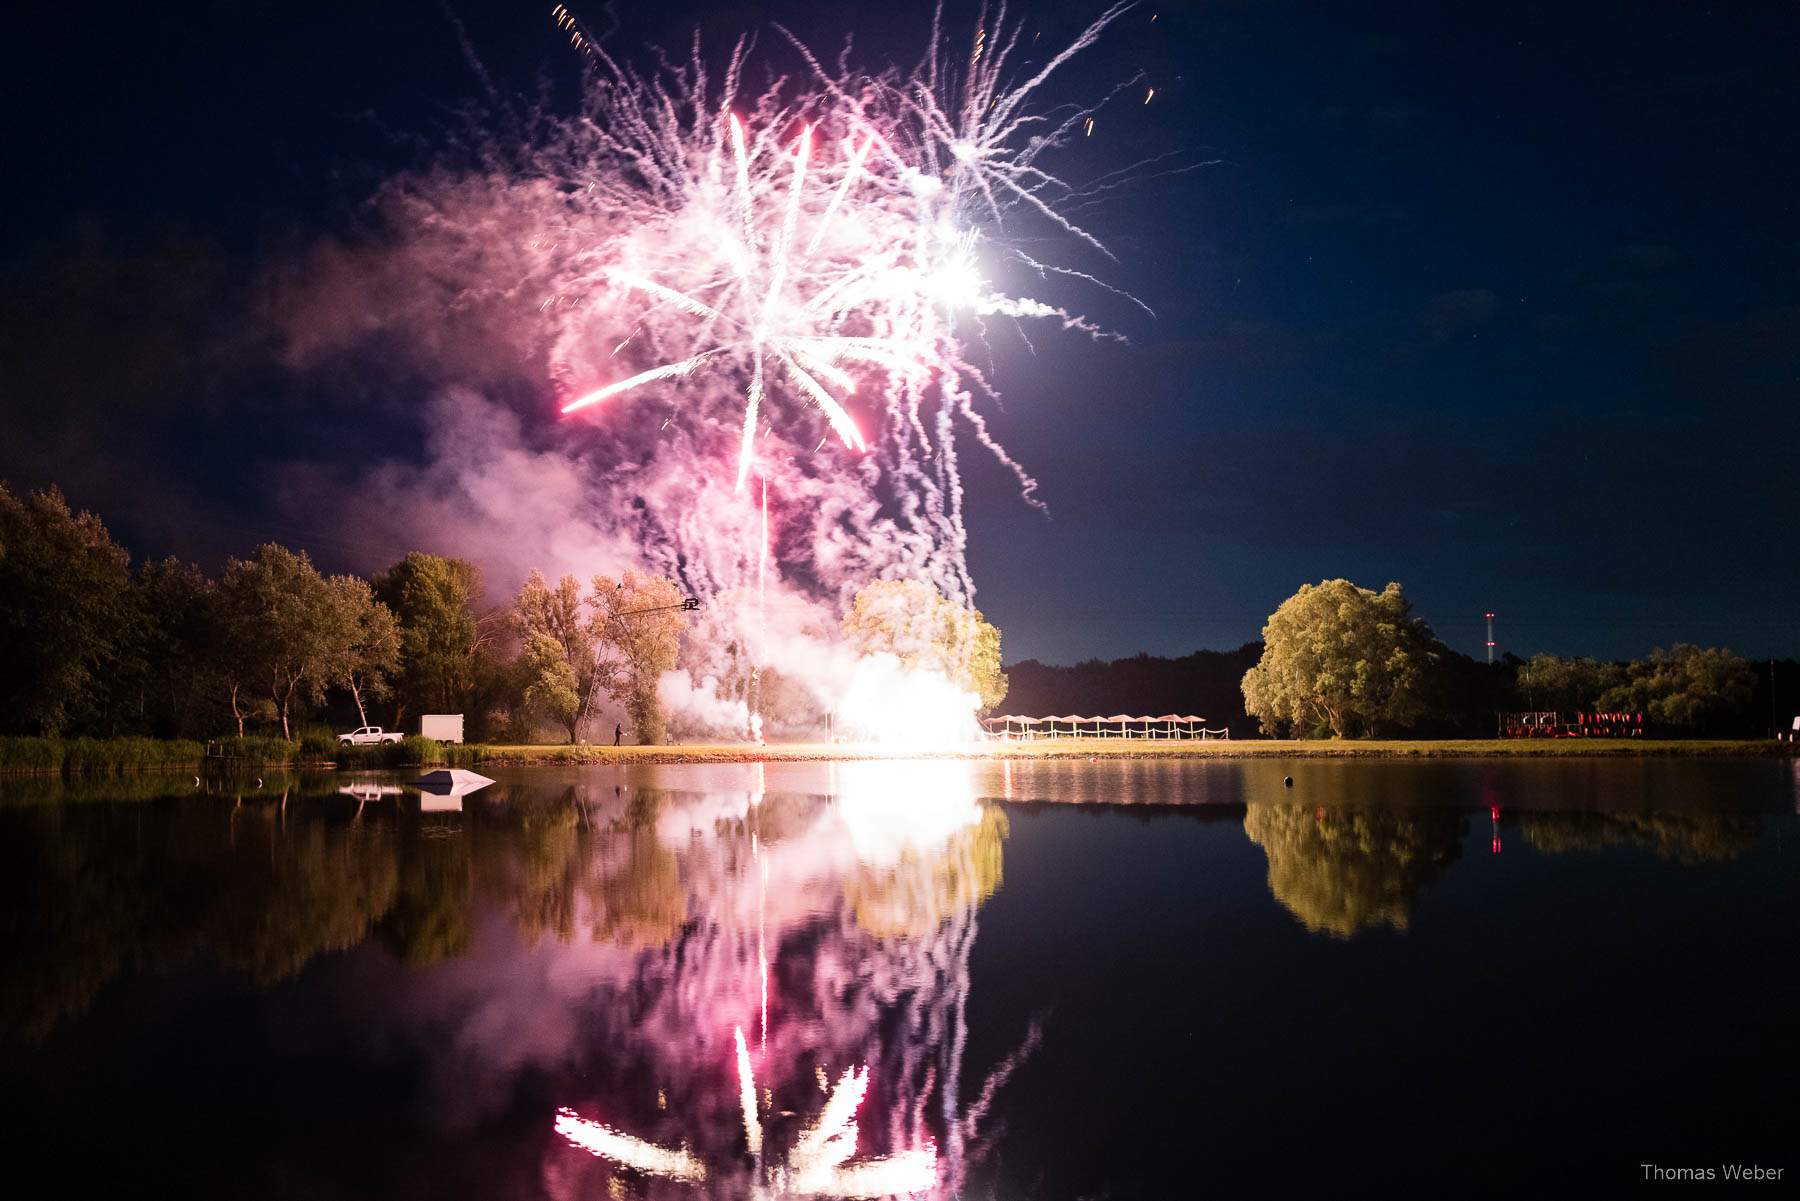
(1441, 977)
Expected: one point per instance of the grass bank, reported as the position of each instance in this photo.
(479, 755)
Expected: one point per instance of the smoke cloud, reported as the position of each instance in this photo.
(759, 303)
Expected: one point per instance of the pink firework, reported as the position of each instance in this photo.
(803, 267)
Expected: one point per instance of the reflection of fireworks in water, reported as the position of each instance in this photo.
(872, 925)
(817, 1165)
(802, 256)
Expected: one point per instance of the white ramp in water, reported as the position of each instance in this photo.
(451, 782)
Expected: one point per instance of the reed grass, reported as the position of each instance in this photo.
(256, 749)
(96, 756)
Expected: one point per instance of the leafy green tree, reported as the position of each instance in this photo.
(914, 622)
(1342, 656)
(553, 625)
(549, 682)
(67, 612)
(441, 641)
(638, 621)
(238, 652)
(285, 617)
(1686, 687)
(365, 652)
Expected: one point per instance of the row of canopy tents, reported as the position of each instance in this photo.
(1170, 726)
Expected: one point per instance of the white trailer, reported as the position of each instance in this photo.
(442, 727)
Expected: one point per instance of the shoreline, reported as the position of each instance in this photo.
(1132, 749)
(480, 755)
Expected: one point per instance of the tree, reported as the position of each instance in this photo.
(639, 619)
(1338, 655)
(366, 651)
(237, 655)
(181, 646)
(552, 625)
(66, 613)
(1207, 683)
(1685, 686)
(286, 621)
(549, 682)
(1552, 685)
(440, 639)
(915, 623)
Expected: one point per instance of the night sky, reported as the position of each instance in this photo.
(1496, 301)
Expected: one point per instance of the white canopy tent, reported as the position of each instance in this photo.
(1170, 727)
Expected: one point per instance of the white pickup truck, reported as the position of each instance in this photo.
(368, 736)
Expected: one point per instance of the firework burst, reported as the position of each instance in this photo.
(805, 267)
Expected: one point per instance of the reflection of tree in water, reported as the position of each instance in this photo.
(1343, 868)
(834, 932)
(429, 919)
(549, 870)
(637, 889)
(259, 888)
(1705, 836)
(919, 892)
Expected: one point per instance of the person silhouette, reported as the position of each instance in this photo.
(618, 733)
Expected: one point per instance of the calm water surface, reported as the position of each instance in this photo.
(818, 980)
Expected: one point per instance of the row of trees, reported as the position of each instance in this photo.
(1207, 684)
(1349, 661)
(618, 640)
(96, 646)
(1684, 687)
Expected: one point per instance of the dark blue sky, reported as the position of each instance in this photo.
(1499, 303)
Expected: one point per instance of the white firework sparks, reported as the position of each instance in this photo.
(804, 267)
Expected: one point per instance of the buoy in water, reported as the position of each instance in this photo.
(1287, 781)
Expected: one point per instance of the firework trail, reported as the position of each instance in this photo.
(787, 284)
(726, 284)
